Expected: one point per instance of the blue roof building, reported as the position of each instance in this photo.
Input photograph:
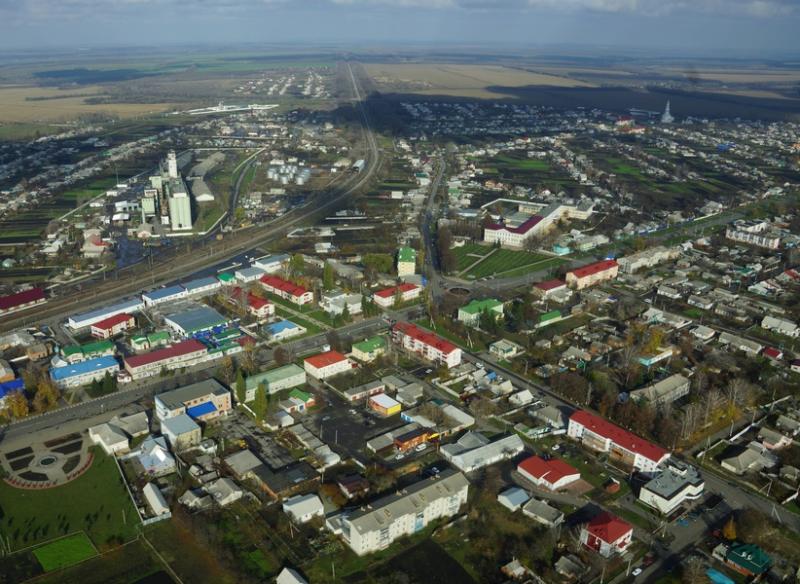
(84, 372)
(202, 285)
(10, 387)
(89, 318)
(201, 410)
(161, 295)
(284, 329)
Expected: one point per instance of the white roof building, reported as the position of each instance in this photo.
(473, 451)
(303, 508)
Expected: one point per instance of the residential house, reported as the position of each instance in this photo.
(607, 534)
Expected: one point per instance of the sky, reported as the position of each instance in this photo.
(716, 27)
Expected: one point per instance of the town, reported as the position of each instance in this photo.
(495, 343)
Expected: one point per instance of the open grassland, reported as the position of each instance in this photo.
(46, 104)
(97, 503)
(460, 80)
(65, 552)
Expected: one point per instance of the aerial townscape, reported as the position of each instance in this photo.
(441, 308)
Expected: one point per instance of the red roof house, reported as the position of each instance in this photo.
(607, 534)
(553, 474)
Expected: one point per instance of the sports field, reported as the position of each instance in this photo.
(475, 261)
(65, 552)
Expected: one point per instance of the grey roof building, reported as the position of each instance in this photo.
(676, 483)
(375, 527)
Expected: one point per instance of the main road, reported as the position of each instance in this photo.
(194, 260)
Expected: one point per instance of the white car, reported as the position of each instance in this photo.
(636, 572)
(400, 456)
(556, 447)
(421, 447)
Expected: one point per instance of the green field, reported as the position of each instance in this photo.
(124, 565)
(466, 255)
(506, 262)
(97, 503)
(311, 328)
(65, 552)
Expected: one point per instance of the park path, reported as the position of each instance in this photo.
(476, 262)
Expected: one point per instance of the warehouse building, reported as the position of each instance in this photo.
(272, 264)
(474, 451)
(21, 300)
(194, 320)
(85, 319)
(202, 286)
(164, 295)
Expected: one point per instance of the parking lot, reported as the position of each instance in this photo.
(240, 427)
(346, 427)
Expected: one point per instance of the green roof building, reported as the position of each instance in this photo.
(406, 261)
(549, 318)
(75, 353)
(298, 401)
(158, 338)
(369, 349)
(275, 380)
(748, 559)
(226, 278)
(470, 314)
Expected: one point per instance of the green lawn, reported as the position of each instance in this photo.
(505, 262)
(311, 328)
(97, 503)
(65, 552)
(467, 255)
(523, 163)
(123, 565)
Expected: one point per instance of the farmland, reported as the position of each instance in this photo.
(33, 104)
(474, 81)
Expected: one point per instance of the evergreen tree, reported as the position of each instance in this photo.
(241, 389)
(346, 313)
(328, 277)
(261, 402)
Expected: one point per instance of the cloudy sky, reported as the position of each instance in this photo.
(736, 27)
